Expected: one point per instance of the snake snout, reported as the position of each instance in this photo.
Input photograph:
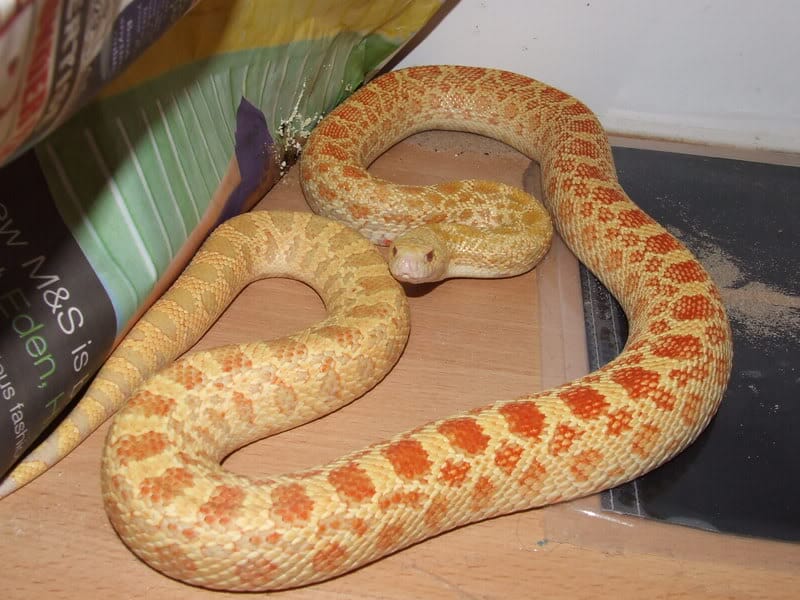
(409, 269)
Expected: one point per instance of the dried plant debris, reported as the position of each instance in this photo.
(293, 132)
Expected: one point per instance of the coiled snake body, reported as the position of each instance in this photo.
(175, 507)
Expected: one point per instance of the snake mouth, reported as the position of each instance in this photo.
(409, 269)
(415, 260)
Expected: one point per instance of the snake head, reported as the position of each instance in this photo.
(419, 256)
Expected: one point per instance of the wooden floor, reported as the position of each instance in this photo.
(471, 342)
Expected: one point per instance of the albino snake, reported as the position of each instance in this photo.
(181, 512)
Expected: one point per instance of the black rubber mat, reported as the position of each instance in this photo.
(742, 220)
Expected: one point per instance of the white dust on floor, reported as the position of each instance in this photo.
(762, 310)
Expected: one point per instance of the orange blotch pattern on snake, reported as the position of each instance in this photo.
(408, 458)
(454, 473)
(465, 435)
(585, 402)
(352, 482)
(291, 503)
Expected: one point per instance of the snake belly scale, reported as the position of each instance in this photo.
(174, 505)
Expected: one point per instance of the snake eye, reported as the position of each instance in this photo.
(394, 250)
(429, 256)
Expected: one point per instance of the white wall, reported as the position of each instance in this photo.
(716, 71)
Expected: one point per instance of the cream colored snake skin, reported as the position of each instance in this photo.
(180, 511)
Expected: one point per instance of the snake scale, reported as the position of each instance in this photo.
(164, 489)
